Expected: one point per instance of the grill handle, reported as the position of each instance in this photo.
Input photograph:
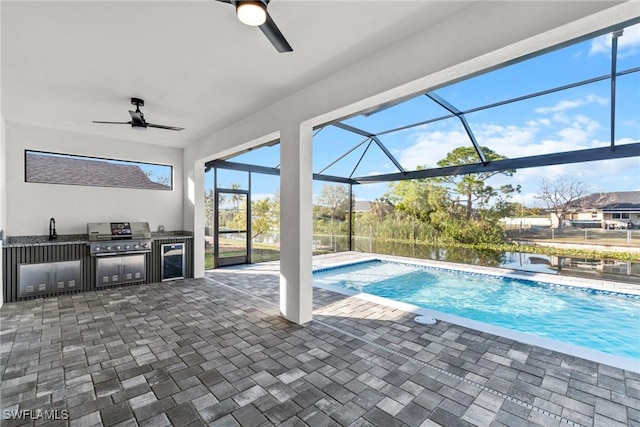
(105, 254)
(102, 237)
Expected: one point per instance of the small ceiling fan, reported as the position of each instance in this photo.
(137, 118)
(254, 13)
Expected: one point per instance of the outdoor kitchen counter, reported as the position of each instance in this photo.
(172, 235)
(32, 265)
(24, 252)
(70, 239)
(62, 239)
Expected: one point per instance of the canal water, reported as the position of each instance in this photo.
(605, 269)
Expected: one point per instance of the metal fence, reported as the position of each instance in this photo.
(340, 242)
(594, 236)
(266, 246)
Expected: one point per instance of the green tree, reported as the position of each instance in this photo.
(381, 208)
(208, 209)
(472, 187)
(421, 198)
(264, 216)
(236, 198)
(333, 202)
(411, 197)
(237, 217)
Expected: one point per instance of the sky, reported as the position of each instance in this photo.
(573, 119)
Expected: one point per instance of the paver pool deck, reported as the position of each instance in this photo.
(214, 351)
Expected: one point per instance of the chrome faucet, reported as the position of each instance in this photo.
(52, 229)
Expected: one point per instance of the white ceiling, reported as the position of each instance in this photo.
(196, 66)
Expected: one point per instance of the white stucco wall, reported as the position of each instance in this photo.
(3, 193)
(30, 205)
(589, 216)
(3, 176)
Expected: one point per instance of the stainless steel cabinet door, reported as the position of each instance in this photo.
(34, 279)
(49, 277)
(108, 270)
(133, 268)
(67, 276)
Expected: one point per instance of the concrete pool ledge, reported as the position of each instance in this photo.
(626, 363)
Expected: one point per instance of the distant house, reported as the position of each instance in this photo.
(606, 210)
(361, 206)
(77, 171)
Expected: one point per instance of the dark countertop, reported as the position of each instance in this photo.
(62, 239)
(70, 239)
(172, 235)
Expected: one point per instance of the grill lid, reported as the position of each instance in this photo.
(102, 231)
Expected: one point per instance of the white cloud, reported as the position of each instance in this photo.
(261, 196)
(578, 134)
(628, 43)
(571, 133)
(430, 147)
(561, 134)
(507, 140)
(561, 118)
(535, 123)
(370, 192)
(601, 44)
(599, 176)
(604, 175)
(569, 104)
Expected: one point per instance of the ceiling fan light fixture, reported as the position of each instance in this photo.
(253, 13)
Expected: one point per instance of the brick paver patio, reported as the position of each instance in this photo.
(214, 351)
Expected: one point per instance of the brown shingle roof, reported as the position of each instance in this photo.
(361, 206)
(607, 201)
(77, 171)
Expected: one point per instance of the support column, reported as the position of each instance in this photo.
(195, 195)
(296, 216)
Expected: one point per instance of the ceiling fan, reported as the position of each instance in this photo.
(254, 13)
(137, 118)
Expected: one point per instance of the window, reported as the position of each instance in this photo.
(619, 215)
(54, 168)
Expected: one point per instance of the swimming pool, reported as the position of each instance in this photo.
(605, 321)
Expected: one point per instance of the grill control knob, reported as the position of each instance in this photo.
(145, 245)
(108, 248)
(135, 246)
(97, 249)
(126, 246)
(118, 248)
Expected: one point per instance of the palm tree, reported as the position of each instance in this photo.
(235, 197)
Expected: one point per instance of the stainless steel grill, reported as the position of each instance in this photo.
(119, 238)
(119, 250)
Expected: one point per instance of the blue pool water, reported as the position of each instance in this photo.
(600, 320)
